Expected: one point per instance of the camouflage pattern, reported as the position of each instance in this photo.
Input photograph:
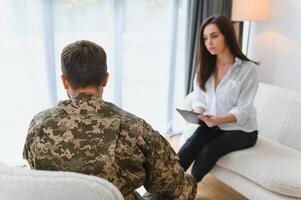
(88, 135)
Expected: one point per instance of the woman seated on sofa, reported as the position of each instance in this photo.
(224, 89)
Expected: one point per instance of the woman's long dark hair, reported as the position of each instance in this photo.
(206, 61)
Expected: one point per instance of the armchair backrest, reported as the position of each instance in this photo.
(21, 183)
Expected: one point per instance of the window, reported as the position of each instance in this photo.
(145, 45)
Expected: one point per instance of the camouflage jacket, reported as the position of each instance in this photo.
(88, 135)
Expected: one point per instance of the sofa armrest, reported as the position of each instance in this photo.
(188, 102)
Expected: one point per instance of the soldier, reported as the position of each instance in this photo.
(88, 135)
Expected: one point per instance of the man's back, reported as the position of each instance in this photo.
(88, 135)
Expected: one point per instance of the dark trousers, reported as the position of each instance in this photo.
(207, 145)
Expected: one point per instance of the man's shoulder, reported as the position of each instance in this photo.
(39, 117)
(125, 116)
(38, 120)
(132, 125)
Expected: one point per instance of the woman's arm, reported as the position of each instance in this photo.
(199, 109)
(211, 121)
(245, 100)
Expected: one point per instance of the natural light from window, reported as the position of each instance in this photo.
(136, 34)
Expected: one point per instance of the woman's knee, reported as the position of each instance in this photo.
(207, 154)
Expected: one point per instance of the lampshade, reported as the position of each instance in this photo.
(250, 10)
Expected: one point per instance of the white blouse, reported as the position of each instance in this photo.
(234, 95)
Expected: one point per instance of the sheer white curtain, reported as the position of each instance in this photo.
(136, 34)
(83, 20)
(23, 75)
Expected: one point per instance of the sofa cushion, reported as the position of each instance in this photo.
(269, 164)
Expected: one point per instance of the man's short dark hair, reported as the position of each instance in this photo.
(83, 63)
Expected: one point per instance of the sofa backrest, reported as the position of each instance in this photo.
(21, 183)
(279, 115)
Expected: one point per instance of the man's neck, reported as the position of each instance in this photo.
(97, 91)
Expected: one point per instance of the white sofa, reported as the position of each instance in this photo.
(270, 170)
(25, 184)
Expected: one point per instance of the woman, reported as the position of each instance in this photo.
(224, 89)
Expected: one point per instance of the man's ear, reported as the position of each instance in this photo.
(65, 82)
(105, 79)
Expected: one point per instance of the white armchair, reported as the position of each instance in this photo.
(272, 168)
(25, 184)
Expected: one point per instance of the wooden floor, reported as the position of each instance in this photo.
(210, 188)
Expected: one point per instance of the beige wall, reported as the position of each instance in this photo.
(277, 44)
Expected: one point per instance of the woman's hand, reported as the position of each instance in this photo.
(210, 120)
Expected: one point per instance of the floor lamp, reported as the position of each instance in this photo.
(250, 10)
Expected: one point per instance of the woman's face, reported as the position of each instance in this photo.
(214, 40)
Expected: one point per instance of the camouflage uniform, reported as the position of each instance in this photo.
(88, 135)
